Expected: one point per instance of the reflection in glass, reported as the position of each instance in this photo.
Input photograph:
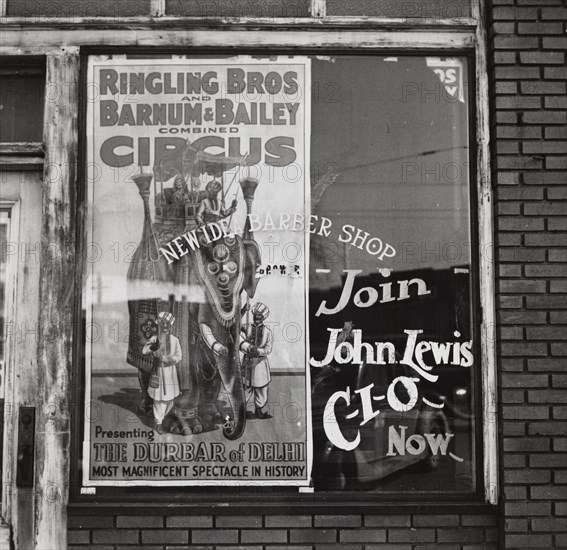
(392, 346)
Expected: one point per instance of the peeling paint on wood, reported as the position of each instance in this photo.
(22, 310)
(56, 305)
(37, 41)
(487, 276)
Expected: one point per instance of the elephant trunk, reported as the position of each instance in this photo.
(229, 370)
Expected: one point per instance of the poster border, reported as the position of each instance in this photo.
(86, 294)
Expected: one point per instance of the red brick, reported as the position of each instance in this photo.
(555, 43)
(510, 239)
(516, 73)
(387, 521)
(509, 270)
(525, 381)
(469, 520)
(84, 522)
(521, 286)
(559, 349)
(548, 364)
(510, 302)
(516, 525)
(531, 412)
(544, 117)
(506, 117)
(515, 492)
(558, 317)
(312, 535)
(263, 535)
(544, 147)
(556, 224)
(238, 521)
(505, 58)
(520, 193)
(546, 178)
(542, 88)
(116, 536)
(543, 239)
(512, 42)
(338, 521)
(542, 58)
(546, 333)
(288, 521)
(527, 509)
(513, 429)
(527, 444)
(511, 333)
(546, 270)
(512, 364)
(546, 428)
(540, 28)
(545, 209)
(363, 535)
(78, 537)
(547, 461)
(520, 224)
(556, 163)
(527, 476)
(436, 520)
(461, 535)
(557, 255)
(165, 536)
(505, 88)
(555, 102)
(548, 492)
(555, 132)
(514, 461)
(518, 162)
(523, 255)
(139, 521)
(189, 521)
(559, 14)
(555, 73)
(523, 349)
(214, 536)
(510, 147)
(522, 317)
(548, 524)
(550, 396)
(416, 535)
(528, 541)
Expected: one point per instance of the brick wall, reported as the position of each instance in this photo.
(294, 532)
(530, 176)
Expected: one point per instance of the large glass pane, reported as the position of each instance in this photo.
(391, 276)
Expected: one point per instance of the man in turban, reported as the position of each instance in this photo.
(164, 383)
(211, 209)
(257, 345)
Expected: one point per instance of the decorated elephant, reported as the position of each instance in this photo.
(204, 289)
(222, 270)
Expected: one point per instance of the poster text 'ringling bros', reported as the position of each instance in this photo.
(196, 332)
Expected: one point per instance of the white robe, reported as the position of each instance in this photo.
(167, 371)
(257, 369)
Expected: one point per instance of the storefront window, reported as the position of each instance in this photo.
(279, 287)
